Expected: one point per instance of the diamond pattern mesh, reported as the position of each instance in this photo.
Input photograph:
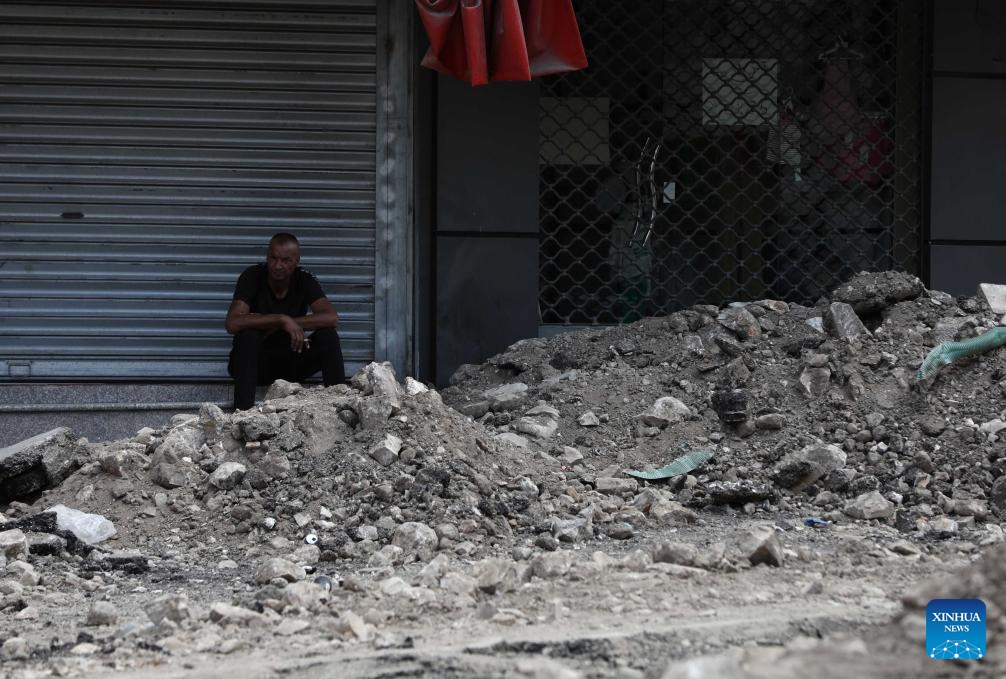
(720, 150)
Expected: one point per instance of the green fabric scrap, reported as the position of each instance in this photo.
(682, 465)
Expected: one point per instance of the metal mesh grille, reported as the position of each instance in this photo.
(720, 150)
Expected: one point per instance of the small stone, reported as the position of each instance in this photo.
(680, 553)
(815, 381)
(588, 419)
(870, 505)
(282, 389)
(761, 545)
(665, 411)
(933, 425)
(227, 614)
(570, 455)
(615, 486)
(102, 613)
(24, 573)
(619, 530)
(843, 322)
(173, 607)
(416, 539)
(770, 422)
(279, 568)
(15, 648)
(943, 527)
(386, 452)
(801, 468)
(506, 396)
(227, 475)
(13, 543)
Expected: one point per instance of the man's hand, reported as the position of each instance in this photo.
(296, 333)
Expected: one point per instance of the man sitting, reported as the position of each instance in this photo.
(268, 318)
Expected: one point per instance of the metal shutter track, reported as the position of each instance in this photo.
(148, 149)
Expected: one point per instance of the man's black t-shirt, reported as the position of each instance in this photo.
(253, 289)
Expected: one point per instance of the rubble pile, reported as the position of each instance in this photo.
(813, 409)
(332, 513)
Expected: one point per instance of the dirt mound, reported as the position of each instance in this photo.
(803, 406)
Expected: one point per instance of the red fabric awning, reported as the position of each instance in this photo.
(480, 41)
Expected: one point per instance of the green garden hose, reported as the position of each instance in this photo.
(948, 352)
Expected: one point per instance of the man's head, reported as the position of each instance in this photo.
(283, 256)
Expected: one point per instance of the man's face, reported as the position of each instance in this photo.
(282, 259)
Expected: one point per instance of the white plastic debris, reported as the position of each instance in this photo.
(89, 528)
(310, 539)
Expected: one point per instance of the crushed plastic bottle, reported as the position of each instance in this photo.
(89, 528)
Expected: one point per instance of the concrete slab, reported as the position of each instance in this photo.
(995, 295)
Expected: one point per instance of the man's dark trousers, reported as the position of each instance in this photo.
(259, 359)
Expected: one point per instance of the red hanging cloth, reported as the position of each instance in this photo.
(479, 41)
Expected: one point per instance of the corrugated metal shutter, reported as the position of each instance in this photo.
(148, 149)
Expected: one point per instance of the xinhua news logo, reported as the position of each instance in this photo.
(955, 629)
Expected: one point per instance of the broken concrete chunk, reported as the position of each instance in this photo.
(869, 292)
(741, 322)
(615, 486)
(815, 381)
(416, 539)
(282, 389)
(800, 468)
(506, 396)
(227, 475)
(386, 452)
(665, 411)
(279, 568)
(384, 385)
(414, 387)
(761, 545)
(39, 462)
(994, 295)
(13, 543)
(870, 505)
(513, 439)
(842, 321)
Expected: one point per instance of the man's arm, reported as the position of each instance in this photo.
(323, 315)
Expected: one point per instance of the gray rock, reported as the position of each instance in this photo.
(169, 476)
(256, 426)
(102, 613)
(13, 543)
(870, 505)
(226, 614)
(24, 573)
(512, 439)
(770, 421)
(383, 384)
(506, 396)
(761, 545)
(843, 322)
(374, 412)
(997, 496)
(570, 455)
(971, 507)
(815, 381)
(870, 292)
(45, 544)
(619, 530)
(279, 568)
(282, 389)
(615, 486)
(386, 452)
(680, 553)
(39, 462)
(994, 295)
(741, 322)
(227, 475)
(416, 539)
(665, 411)
(932, 425)
(541, 422)
(588, 419)
(944, 526)
(173, 607)
(800, 468)
(552, 565)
